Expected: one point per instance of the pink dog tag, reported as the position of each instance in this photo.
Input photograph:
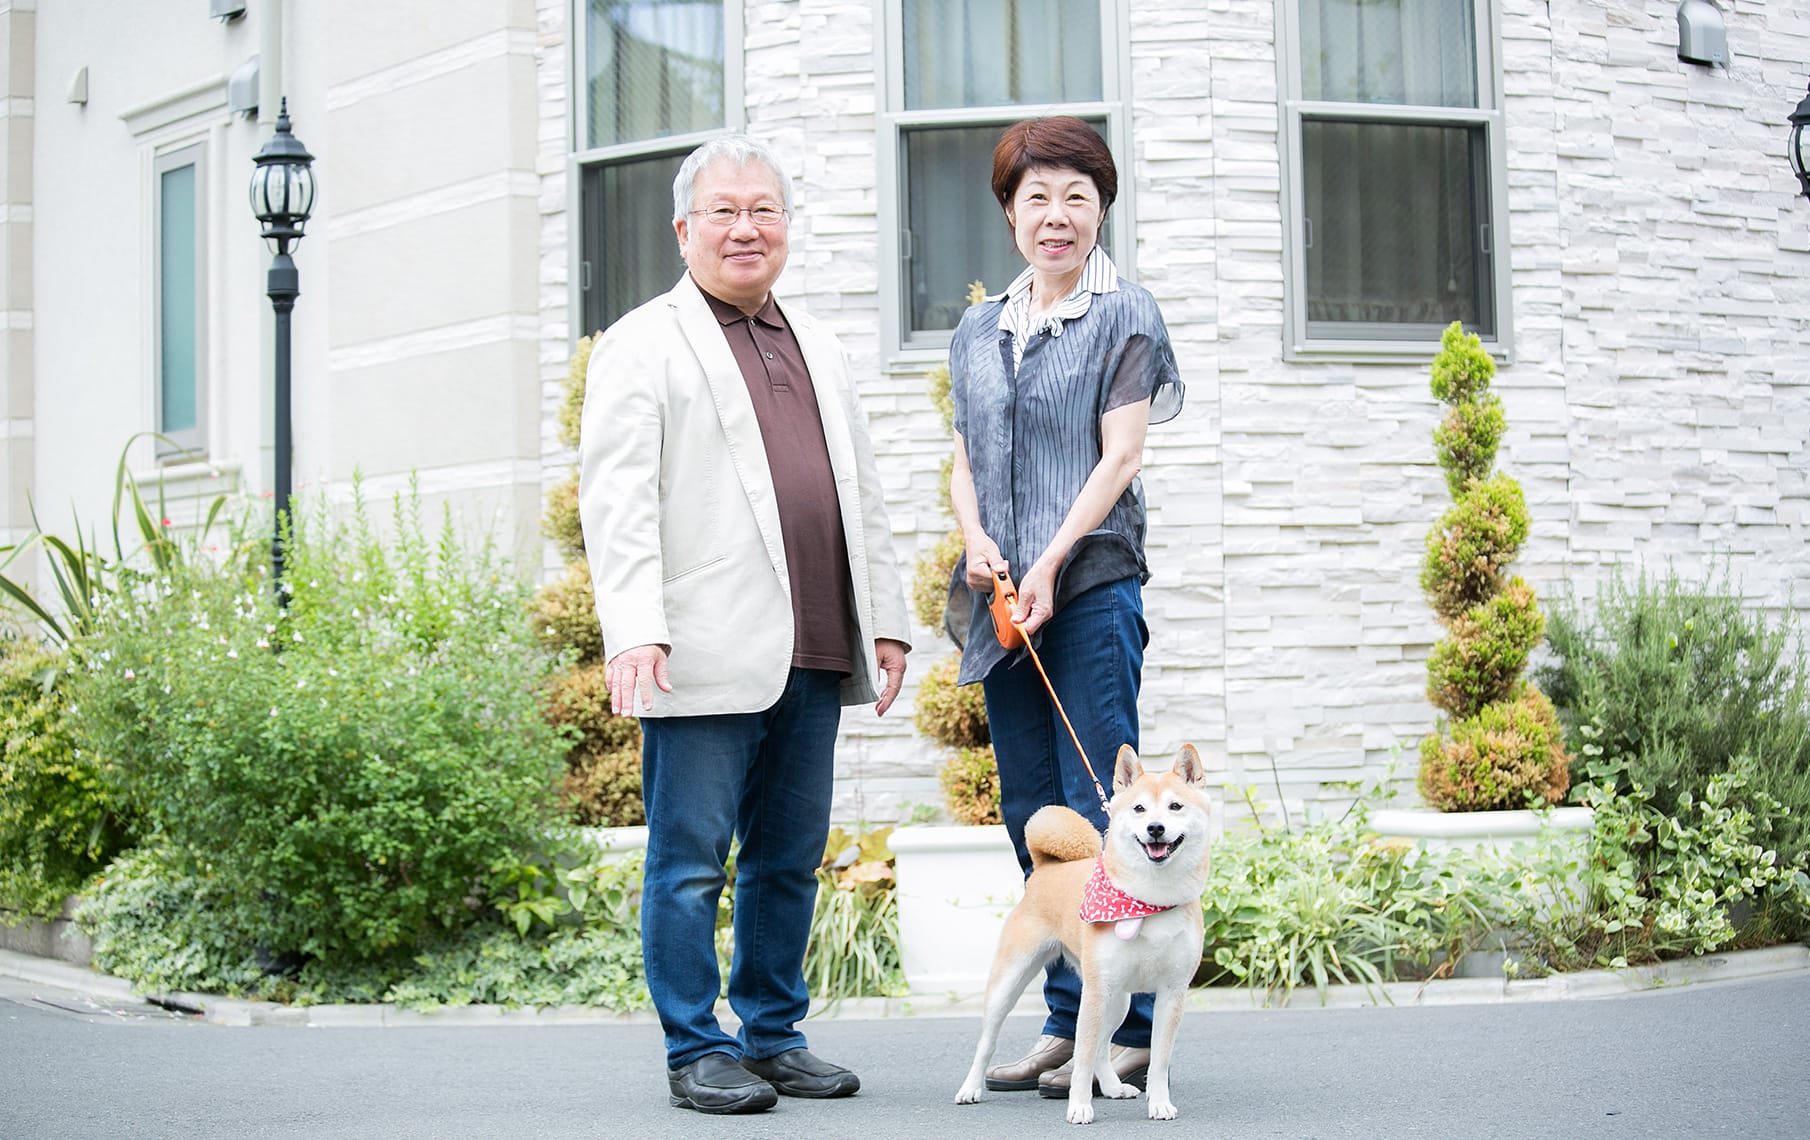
(1127, 928)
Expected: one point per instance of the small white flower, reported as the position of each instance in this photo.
(232, 654)
(273, 712)
(270, 629)
(302, 683)
(262, 644)
(131, 676)
(296, 636)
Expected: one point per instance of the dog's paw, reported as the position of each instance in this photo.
(969, 1093)
(1082, 1113)
(1123, 1092)
(1162, 1110)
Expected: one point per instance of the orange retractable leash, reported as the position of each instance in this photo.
(1011, 635)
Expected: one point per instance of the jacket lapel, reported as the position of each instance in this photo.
(734, 409)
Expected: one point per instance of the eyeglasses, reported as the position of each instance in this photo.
(723, 214)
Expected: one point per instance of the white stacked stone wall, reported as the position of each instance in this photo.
(1658, 396)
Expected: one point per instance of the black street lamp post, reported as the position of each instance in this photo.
(282, 196)
(1800, 144)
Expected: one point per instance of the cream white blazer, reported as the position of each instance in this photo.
(681, 525)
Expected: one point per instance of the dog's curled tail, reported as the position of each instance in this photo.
(1057, 834)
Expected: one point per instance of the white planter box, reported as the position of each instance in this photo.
(1498, 829)
(617, 842)
(956, 885)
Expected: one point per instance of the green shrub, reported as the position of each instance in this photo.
(560, 520)
(930, 580)
(854, 944)
(970, 783)
(166, 927)
(1686, 683)
(603, 788)
(1324, 906)
(564, 616)
(60, 822)
(343, 771)
(1510, 755)
(951, 714)
(1481, 658)
(571, 404)
(580, 699)
(1665, 881)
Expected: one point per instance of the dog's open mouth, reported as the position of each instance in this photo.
(1158, 851)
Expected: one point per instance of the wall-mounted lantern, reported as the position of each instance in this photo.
(1800, 144)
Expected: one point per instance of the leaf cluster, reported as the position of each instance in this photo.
(970, 783)
(60, 819)
(563, 614)
(1466, 551)
(1685, 681)
(950, 714)
(1480, 659)
(1511, 754)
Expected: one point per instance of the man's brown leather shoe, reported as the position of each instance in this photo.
(1021, 1075)
(1131, 1063)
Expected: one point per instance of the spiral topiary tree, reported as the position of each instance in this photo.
(1499, 745)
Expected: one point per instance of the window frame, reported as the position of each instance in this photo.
(185, 444)
(1298, 343)
(581, 158)
(899, 347)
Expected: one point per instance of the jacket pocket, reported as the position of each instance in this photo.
(691, 571)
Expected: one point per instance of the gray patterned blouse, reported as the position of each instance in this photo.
(1033, 436)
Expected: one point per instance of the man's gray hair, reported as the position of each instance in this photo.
(738, 149)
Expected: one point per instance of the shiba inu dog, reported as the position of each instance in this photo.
(1126, 914)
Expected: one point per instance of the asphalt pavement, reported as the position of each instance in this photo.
(1704, 1059)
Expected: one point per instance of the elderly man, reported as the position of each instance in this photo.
(747, 589)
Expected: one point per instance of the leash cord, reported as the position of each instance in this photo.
(1009, 594)
(1063, 713)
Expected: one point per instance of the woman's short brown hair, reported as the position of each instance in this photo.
(1060, 140)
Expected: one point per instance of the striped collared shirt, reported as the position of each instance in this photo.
(1098, 275)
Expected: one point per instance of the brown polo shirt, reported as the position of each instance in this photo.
(804, 486)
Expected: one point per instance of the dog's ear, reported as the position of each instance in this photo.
(1189, 767)
(1128, 769)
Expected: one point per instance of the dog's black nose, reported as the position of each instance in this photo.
(1155, 831)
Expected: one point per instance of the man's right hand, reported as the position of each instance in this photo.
(636, 671)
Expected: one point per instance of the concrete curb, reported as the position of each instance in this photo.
(1587, 984)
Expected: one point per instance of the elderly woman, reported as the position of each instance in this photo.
(1054, 383)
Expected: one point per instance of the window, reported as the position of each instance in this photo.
(180, 391)
(958, 71)
(1394, 167)
(657, 82)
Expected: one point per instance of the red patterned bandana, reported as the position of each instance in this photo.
(1102, 901)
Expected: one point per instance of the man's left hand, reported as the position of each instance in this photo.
(891, 658)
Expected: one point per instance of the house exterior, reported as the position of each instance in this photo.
(1310, 188)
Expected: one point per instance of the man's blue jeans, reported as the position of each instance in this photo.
(765, 777)
(1094, 652)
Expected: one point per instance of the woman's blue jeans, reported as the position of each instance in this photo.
(765, 777)
(1093, 650)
